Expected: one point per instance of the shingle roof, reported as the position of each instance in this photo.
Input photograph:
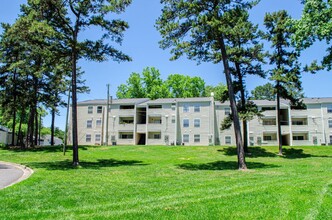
(283, 101)
(173, 100)
(145, 101)
(317, 100)
(114, 101)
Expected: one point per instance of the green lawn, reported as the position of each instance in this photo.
(141, 182)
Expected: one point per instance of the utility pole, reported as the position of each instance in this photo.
(66, 126)
(107, 113)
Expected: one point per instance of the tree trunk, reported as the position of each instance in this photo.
(74, 100)
(36, 128)
(30, 133)
(243, 103)
(52, 127)
(279, 121)
(20, 134)
(14, 109)
(236, 122)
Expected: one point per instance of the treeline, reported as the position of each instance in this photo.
(150, 85)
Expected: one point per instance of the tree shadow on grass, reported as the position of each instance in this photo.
(223, 165)
(288, 153)
(101, 163)
(254, 152)
(46, 149)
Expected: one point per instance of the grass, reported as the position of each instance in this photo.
(157, 182)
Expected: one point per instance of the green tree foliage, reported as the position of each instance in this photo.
(246, 55)
(181, 86)
(201, 29)
(70, 19)
(315, 24)
(30, 57)
(264, 92)
(150, 85)
(219, 91)
(286, 73)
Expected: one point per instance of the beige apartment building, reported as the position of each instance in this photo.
(196, 121)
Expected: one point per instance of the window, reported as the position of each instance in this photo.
(185, 123)
(186, 108)
(268, 108)
(330, 139)
(154, 135)
(173, 119)
(155, 120)
(330, 123)
(88, 138)
(299, 121)
(298, 137)
(197, 138)
(185, 138)
(259, 140)
(228, 140)
(329, 108)
(227, 111)
(197, 108)
(126, 120)
(252, 141)
(126, 136)
(270, 121)
(267, 138)
(113, 138)
(89, 124)
(98, 122)
(90, 109)
(197, 123)
(99, 109)
(97, 138)
(173, 106)
(127, 106)
(155, 106)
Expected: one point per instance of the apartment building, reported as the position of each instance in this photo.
(196, 121)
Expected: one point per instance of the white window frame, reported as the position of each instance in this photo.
(88, 138)
(227, 111)
(197, 123)
(129, 136)
(185, 125)
(329, 108)
(97, 137)
(197, 138)
(185, 138)
(186, 108)
(197, 108)
(99, 109)
(89, 123)
(330, 123)
(228, 139)
(98, 122)
(90, 109)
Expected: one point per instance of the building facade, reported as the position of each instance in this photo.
(197, 121)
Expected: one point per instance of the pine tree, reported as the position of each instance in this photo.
(200, 30)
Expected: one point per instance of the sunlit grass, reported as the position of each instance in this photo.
(158, 182)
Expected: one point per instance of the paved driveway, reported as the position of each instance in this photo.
(12, 173)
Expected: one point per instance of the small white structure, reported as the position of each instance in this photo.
(5, 135)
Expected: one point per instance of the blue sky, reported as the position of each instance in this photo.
(141, 43)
